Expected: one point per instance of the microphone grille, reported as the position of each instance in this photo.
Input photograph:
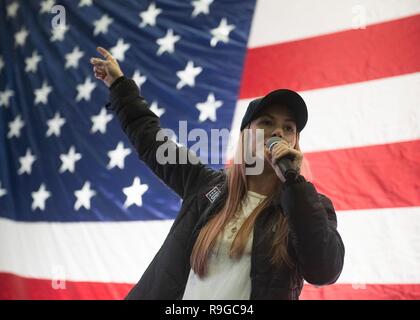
(271, 142)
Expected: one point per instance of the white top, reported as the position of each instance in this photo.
(227, 278)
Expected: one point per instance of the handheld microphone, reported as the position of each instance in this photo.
(285, 163)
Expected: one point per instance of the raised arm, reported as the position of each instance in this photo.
(141, 126)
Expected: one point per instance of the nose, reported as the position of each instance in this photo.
(278, 133)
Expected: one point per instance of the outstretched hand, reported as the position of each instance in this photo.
(107, 70)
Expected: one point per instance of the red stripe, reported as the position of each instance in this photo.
(362, 292)
(379, 51)
(16, 287)
(381, 176)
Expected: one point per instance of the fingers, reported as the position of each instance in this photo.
(282, 149)
(100, 76)
(105, 53)
(279, 156)
(99, 67)
(98, 62)
(284, 142)
(99, 72)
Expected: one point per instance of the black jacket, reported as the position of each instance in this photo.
(314, 243)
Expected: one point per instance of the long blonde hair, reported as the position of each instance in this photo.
(236, 191)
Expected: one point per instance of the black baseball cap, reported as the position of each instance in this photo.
(290, 98)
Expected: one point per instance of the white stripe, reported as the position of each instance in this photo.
(278, 21)
(382, 246)
(86, 251)
(367, 113)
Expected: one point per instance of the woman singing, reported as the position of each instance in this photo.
(237, 235)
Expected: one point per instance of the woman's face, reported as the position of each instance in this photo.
(276, 120)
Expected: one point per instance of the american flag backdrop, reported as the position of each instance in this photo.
(81, 217)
